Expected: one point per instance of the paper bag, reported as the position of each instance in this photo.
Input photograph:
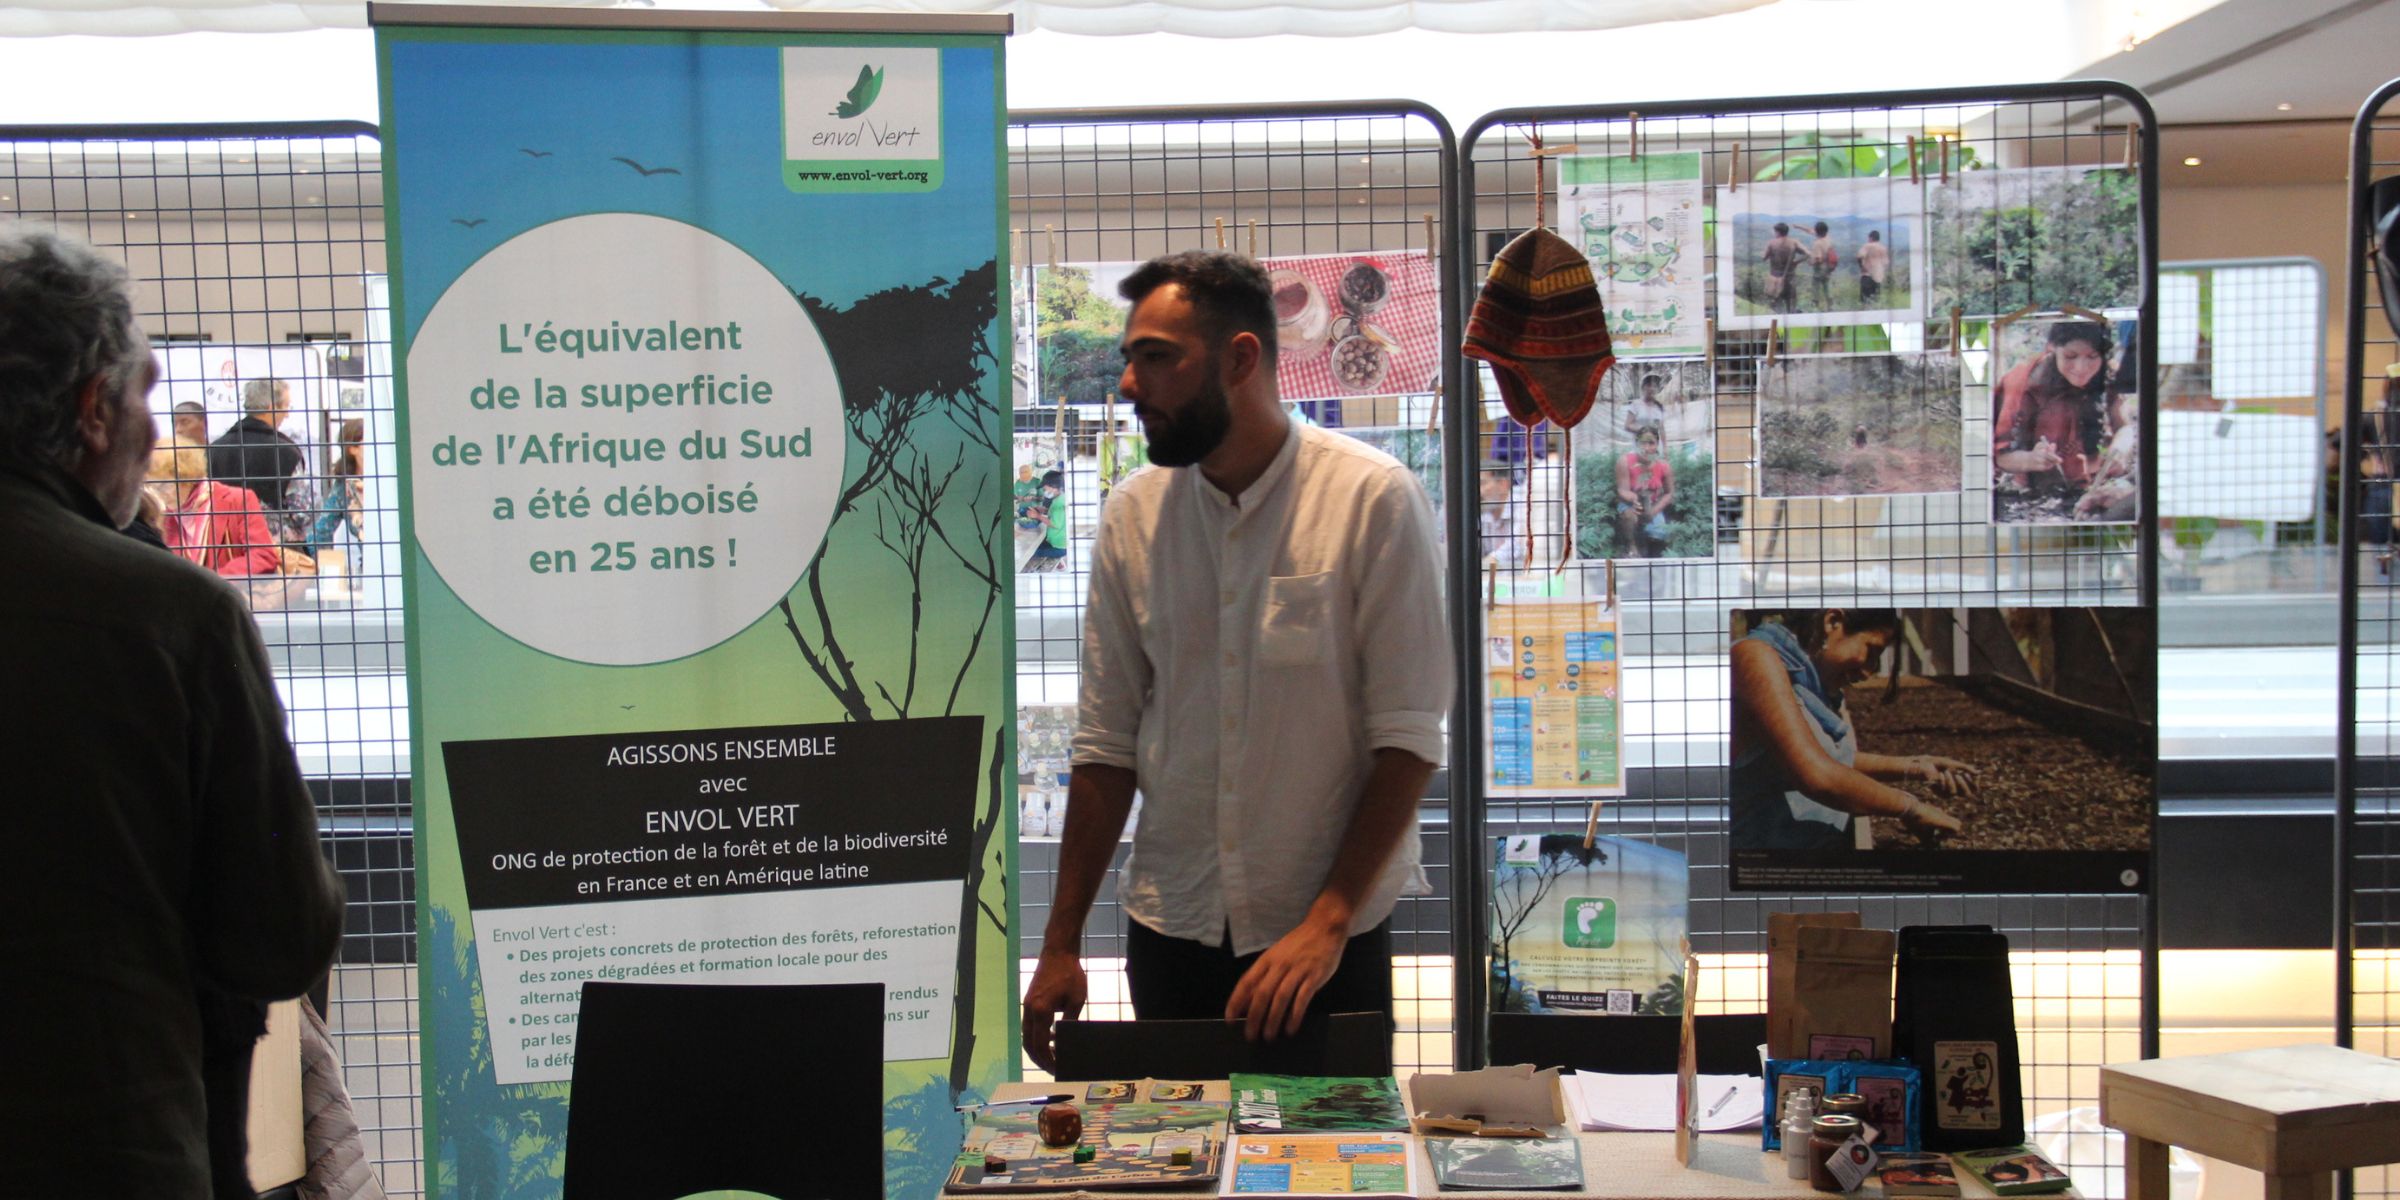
(1783, 930)
(1842, 993)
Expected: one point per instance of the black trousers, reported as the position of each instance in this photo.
(1174, 979)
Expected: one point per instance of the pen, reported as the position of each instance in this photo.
(1724, 1100)
(1061, 1098)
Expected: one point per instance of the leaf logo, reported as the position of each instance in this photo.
(862, 94)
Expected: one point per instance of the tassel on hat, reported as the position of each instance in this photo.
(1540, 324)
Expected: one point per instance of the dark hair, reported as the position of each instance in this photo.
(1822, 227)
(1054, 478)
(190, 407)
(1782, 227)
(1808, 624)
(1874, 235)
(66, 315)
(2046, 381)
(1229, 291)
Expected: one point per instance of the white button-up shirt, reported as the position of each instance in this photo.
(1245, 659)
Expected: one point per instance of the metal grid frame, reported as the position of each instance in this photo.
(1126, 184)
(2367, 830)
(268, 236)
(2247, 333)
(2086, 964)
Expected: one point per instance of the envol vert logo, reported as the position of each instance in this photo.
(862, 94)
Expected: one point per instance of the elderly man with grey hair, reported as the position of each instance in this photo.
(254, 454)
(160, 865)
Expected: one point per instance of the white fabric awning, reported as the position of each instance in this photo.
(1197, 18)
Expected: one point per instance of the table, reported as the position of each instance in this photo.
(2293, 1113)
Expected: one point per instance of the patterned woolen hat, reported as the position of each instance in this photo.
(1540, 324)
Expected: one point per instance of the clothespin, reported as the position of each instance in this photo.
(1612, 584)
(1254, 237)
(1945, 153)
(2133, 145)
(1050, 238)
(1541, 210)
(1491, 583)
(1774, 335)
(1220, 233)
(1633, 137)
(1433, 418)
(1709, 334)
(1733, 173)
(1433, 244)
(1914, 149)
(1591, 825)
(1958, 316)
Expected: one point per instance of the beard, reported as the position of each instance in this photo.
(1195, 432)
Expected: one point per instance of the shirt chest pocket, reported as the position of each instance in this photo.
(1296, 628)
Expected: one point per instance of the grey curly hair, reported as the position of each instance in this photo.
(66, 315)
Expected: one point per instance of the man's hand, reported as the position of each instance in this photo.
(1057, 991)
(1274, 994)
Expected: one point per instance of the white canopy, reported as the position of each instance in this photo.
(1198, 18)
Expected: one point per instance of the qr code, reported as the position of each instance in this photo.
(1620, 1001)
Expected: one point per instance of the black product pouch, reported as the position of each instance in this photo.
(1955, 1018)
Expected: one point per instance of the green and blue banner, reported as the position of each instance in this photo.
(705, 440)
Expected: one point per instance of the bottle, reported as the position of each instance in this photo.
(1799, 1117)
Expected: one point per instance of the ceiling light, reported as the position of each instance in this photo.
(2286, 106)
(2192, 161)
(316, 199)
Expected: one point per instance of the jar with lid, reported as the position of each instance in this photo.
(1849, 1104)
(1825, 1137)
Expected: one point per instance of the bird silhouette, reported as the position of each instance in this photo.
(533, 153)
(646, 171)
(862, 94)
(469, 224)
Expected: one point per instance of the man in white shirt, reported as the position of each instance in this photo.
(1265, 658)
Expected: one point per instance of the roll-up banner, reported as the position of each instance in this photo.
(704, 440)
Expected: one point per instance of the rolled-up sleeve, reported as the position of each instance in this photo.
(1403, 637)
(1116, 674)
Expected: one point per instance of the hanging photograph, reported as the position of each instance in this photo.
(1943, 750)
(1811, 252)
(1553, 717)
(1045, 742)
(1860, 425)
(2040, 236)
(1078, 319)
(1355, 325)
(2066, 423)
(1594, 929)
(1639, 220)
(1645, 464)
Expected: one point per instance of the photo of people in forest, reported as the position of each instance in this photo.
(1815, 252)
(1645, 463)
(1859, 425)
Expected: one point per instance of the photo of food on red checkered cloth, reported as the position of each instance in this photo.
(1355, 324)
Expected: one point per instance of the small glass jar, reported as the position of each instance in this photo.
(1848, 1104)
(1825, 1137)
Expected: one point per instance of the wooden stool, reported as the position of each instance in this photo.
(2294, 1113)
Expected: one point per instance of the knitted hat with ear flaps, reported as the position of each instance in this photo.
(1540, 324)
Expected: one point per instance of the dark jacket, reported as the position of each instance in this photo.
(255, 455)
(159, 842)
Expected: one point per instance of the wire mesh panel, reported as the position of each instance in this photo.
(1331, 197)
(1821, 312)
(2241, 423)
(258, 253)
(2367, 985)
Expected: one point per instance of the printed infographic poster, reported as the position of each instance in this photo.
(1641, 221)
(708, 685)
(1946, 749)
(1553, 714)
(1587, 929)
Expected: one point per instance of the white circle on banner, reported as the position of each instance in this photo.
(637, 348)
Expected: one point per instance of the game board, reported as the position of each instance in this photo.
(1133, 1145)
